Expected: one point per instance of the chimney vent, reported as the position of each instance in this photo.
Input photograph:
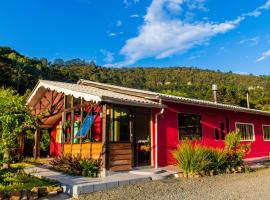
(215, 89)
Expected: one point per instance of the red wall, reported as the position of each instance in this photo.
(211, 119)
(55, 148)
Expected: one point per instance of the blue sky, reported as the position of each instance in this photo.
(225, 34)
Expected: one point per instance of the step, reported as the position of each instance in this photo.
(147, 172)
(163, 176)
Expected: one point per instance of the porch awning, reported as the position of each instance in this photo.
(48, 96)
(88, 93)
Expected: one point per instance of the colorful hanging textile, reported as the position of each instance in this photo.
(85, 126)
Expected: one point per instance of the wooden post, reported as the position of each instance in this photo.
(82, 110)
(105, 154)
(21, 139)
(63, 125)
(37, 143)
(72, 124)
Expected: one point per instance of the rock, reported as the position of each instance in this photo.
(234, 170)
(212, 173)
(228, 171)
(202, 173)
(197, 176)
(24, 195)
(240, 169)
(190, 175)
(42, 191)
(15, 195)
(180, 175)
(33, 194)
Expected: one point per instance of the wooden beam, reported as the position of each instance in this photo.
(37, 144)
(82, 110)
(72, 123)
(63, 125)
(105, 153)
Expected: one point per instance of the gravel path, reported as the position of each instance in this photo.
(255, 185)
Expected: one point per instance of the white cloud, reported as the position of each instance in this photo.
(127, 3)
(251, 41)
(264, 56)
(265, 6)
(134, 16)
(108, 56)
(119, 23)
(111, 34)
(163, 35)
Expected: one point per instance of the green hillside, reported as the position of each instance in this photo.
(22, 73)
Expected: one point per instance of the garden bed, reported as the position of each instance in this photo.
(16, 184)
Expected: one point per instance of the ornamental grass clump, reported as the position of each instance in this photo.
(192, 159)
(195, 159)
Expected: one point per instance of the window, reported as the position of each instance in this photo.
(222, 132)
(120, 124)
(189, 126)
(266, 132)
(227, 124)
(216, 134)
(246, 131)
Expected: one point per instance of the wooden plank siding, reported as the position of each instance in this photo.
(89, 150)
(120, 156)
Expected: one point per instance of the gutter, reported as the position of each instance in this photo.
(156, 131)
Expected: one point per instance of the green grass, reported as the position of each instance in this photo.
(16, 179)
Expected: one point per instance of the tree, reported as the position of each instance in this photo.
(15, 117)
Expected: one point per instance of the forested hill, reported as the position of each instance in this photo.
(22, 73)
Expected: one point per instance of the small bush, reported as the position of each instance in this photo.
(235, 150)
(89, 168)
(76, 166)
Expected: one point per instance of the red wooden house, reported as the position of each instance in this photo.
(127, 128)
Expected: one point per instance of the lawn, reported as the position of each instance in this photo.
(15, 180)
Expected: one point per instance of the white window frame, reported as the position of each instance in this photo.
(263, 131)
(247, 124)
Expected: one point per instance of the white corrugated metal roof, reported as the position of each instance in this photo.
(89, 93)
(171, 98)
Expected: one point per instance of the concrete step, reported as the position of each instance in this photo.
(147, 172)
(155, 174)
(162, 176)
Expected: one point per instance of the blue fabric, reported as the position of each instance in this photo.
(85, 126)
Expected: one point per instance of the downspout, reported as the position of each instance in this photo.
(156, 132)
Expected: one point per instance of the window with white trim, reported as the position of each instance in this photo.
(266, 132)
(246, 131)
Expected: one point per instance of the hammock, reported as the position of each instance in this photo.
(87, 123)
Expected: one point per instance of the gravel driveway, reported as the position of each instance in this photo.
(254, 185)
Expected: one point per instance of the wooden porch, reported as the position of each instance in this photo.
(115, 137)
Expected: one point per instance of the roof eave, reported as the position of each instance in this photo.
(217, 106)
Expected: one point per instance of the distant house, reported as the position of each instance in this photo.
(128, 128)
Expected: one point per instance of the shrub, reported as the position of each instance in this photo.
(235, 150)
(194, 159)
(218, 160)
(76, 165)
(191, 159)
(89, 167)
